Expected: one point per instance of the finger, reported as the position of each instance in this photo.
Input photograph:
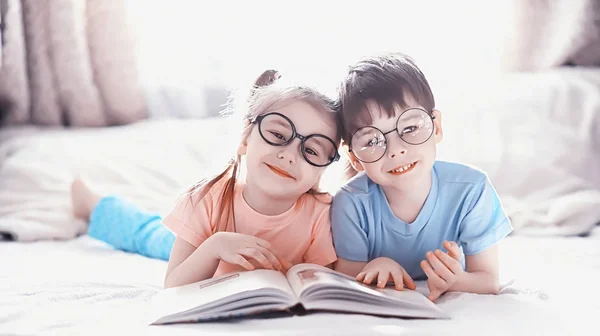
(398, 279)
(383, 279)
(372, 275)
(240, 260)
(438, 266)
(262, 243)
(361, 276)
(272, 258)
(434, 295)
(452, 264)
(453, 250)
(285, 265)
(432, 277)
(408, 281)
(258, 256)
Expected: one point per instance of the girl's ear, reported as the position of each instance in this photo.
(243, 147)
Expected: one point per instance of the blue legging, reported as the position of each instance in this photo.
(127, 227)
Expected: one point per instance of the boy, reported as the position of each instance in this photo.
(391, 220)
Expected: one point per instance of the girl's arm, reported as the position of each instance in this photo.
(189, 264)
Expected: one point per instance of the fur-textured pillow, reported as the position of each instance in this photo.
(39, 165)
(589, 53)
(548, 34)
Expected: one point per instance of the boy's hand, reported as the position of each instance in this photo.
(381, 269)
(442, 269)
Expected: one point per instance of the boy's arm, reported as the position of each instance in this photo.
(348, 267)
(349, 237)
(485, 225)
(481, 275)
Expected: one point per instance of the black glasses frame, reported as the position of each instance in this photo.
(295, 135)
(396, 130)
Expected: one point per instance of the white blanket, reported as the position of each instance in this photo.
(83, 287)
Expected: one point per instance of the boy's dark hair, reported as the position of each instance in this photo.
(389, 80)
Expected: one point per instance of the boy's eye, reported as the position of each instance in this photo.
(374, 142)
(409, 129)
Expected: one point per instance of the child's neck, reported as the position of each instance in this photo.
(264, 203)
(406, 202)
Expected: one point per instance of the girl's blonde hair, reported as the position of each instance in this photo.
(267, 90)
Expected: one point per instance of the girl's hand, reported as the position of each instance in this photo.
(442, 269)
(382, 269)
(240, 249)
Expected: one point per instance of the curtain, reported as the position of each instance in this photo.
(68, 63)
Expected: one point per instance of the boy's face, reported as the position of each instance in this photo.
(402, 164)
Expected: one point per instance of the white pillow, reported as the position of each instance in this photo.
(537, 135)
(149, 163)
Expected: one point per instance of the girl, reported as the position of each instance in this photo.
(273, 218)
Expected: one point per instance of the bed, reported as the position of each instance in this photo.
(83, 287)
(56, 280)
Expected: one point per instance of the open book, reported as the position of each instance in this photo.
(305, 288)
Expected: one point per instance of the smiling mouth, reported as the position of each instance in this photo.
(403, 169)
(280, 172)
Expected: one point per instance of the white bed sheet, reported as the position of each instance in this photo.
(82, 286)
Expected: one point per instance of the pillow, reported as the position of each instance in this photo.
(149, 163)
(537, 135)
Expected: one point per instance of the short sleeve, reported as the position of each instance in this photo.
(190, 218)
(349, 237)
(485, 223)
(321, 251)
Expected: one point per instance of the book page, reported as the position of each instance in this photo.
(221, 290)
(305, 276)
(324, 289)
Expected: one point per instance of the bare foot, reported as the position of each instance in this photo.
(83, 198)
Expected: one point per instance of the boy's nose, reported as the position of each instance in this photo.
(396, 147)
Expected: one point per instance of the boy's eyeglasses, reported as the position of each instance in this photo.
(414, 126)
(278, 130)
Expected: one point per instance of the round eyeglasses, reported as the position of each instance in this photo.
(414, 126)
(278, 130)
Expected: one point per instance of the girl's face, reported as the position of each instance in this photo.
(285, 171)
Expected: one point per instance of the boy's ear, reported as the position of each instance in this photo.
(357, 165)
(437, 124)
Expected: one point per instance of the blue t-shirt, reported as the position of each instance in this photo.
(462, 206)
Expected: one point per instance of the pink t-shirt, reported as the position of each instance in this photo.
(302, 234)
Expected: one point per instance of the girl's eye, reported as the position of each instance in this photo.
(278, 135)
(311, 151)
